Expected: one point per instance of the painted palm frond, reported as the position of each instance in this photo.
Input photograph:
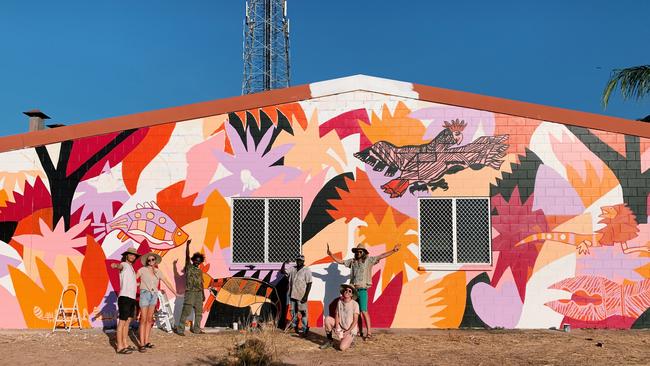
(633, 82)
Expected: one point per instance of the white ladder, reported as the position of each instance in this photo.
(67, 316)
(165, 315)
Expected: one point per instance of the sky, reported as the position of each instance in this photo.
(86, 60)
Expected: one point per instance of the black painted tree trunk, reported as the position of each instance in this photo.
(63, 186)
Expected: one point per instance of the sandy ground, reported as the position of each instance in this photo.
(389, 347)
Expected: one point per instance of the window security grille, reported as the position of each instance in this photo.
(266, 230)
(455, 231)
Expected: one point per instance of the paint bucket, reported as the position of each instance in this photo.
(235, 326)
(566, 328)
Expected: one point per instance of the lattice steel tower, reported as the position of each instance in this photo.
(266, 46)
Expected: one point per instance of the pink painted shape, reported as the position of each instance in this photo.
(554, 195)
(498, 306)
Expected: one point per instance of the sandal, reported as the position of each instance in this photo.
(142, 349)
(368, 336)
(149, 345)
(124, 351)
(131, 348)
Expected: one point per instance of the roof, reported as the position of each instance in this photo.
(321, 89)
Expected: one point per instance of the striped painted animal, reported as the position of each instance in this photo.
(148, 222)
(620, 227)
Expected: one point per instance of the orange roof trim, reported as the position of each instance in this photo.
(304, 92)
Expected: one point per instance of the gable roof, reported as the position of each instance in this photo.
(321, 89)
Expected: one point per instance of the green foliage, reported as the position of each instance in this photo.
(633, 82)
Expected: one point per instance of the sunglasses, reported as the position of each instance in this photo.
(151, 260)
(348, 290)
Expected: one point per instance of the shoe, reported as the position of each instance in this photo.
(198, 332)
(326, 345)
(149, 345)
(182, 334)
(305, 332)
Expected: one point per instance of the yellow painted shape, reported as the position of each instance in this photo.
(388, 233)
(217, 211)
(397, 128)
(312, 153)
(36, 302)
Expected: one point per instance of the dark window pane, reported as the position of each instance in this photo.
(436, 231)
(473, 230)
(248, 231)
(284, 229)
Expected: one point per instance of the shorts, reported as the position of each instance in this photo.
(148, 298)
(363, 299)
(125, 307)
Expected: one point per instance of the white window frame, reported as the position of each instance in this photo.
(455, 265)
(266, 263)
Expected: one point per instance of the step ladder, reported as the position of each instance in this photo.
(67, 317)
(164, 316)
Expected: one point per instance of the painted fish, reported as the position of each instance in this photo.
(595, 298)
(148, 222)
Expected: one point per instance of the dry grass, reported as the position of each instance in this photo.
(389, 347)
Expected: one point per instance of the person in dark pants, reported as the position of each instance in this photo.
(126, 301)
(194, 295)
(299, 287)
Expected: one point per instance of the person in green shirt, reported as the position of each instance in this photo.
(194, 295)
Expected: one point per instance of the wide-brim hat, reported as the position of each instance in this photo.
(150, 254)
(346, 286)
(131, 251)
(360, 247)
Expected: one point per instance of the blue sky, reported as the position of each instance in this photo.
(85, 60)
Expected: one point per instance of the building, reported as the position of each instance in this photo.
(509, 214)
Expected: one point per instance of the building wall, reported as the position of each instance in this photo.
(61, 205)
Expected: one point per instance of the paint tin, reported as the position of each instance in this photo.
(566, 328)
(235, 326)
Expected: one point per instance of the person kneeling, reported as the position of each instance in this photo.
(344, 322)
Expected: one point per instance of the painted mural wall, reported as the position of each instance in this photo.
(569, 211)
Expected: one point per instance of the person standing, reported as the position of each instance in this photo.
(194, 295)
(361, 276)
(126, 301)
(344, 321)
(299, 287)
(150, 277)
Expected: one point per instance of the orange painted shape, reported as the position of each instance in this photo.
(181, 209)
(94, 273)
(217, 211)
(133, 164)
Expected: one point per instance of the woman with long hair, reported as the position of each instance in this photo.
(150, 277)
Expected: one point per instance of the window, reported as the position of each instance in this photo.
(455, 231)
(266, 230)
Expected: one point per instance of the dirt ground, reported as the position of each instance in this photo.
(389, 347)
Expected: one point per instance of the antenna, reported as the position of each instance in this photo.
(266, 46)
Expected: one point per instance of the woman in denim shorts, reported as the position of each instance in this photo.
(150, 277)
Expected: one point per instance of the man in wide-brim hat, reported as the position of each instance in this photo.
(300, 279)
(126, 303)
(361, 275)
(344, 320)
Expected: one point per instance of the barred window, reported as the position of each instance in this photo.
(266, 230)
(455, 231)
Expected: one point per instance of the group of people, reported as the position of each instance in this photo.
(345, 312)
(150, 277)
(343, 320)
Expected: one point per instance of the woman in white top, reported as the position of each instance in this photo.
(150, 277)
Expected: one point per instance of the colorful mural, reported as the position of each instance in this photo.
(569, 212)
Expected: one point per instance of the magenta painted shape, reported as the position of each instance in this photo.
(382, 311)
(347, 124)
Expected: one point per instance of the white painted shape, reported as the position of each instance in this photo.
(8, 251)
(362, 82)
(534, 313)
(540, 144)
(248, 180)
(53, 150)
(411, 273)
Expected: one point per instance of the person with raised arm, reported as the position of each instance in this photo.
(194, 295)
(361, 276)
